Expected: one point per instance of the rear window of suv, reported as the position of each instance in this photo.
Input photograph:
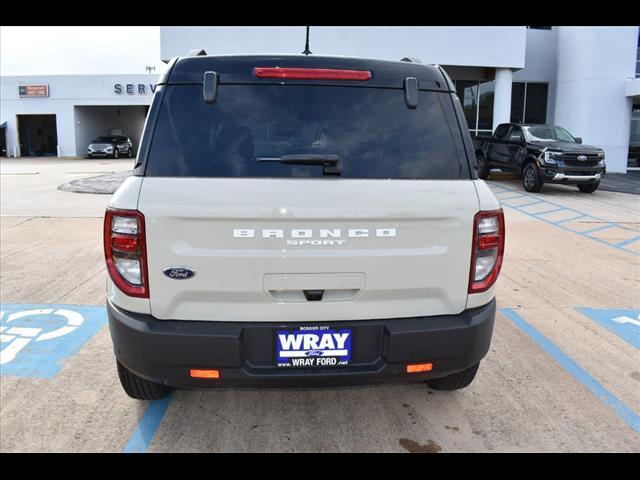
(250, 127)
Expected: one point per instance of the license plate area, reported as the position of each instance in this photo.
(316, 346)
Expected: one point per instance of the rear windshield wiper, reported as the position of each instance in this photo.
(330, 162)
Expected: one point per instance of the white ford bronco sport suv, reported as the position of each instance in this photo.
(299, 220)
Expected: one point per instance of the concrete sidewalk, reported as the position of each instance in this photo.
(621, 182)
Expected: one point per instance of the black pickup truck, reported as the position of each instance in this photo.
(539, 154)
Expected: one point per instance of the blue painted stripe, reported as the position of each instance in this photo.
(627, 331)
(511, 198)
(630, 417)
(603, 227)
(148, 425)
(559, 224)
(529, 204)
(569, 219)
(537, 214)
(628, 241)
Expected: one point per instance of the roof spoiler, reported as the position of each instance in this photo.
(447, 79)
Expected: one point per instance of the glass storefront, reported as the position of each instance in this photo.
(477, 103)
(528, 103)
(485, 110)
(638, 58)
(468, 94)
(536, 102)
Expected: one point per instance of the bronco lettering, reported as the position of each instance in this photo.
(308, 233)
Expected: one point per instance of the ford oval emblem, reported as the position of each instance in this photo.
(314, 353)
(179, 273)
(582, 158)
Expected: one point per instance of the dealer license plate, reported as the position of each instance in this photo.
(313, 346)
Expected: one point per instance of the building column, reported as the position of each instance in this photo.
(502, 97)
(594, 66)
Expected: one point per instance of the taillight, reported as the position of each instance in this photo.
(125, 251)
(311, 73)
(487, 250)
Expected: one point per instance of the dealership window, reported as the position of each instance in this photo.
(634, 139)
(468, 94)
(529, 102)
(638, 64)
(638, 58)
(477, 102)
(517, 102)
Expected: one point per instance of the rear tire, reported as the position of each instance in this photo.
(455, 381)
(483, 167)
(589, 187)
(531, 178)
(139, 388)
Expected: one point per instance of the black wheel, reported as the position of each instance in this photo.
(116, 153)
(531, 178)
(483, 166)
(129, 153)
(139, 388)
(589, 187)
(455, 381)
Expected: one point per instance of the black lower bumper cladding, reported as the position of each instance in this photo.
(164, 351)
(571, 175)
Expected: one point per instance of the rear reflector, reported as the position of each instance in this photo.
(211, 374)
(124, 243)
(419, 367)
(311, 73)
(486, 242)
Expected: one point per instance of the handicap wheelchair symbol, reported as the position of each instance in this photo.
(35, 340)
(18, 337)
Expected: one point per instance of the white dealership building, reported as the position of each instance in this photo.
(585, 79)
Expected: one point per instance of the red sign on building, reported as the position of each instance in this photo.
(41, 90)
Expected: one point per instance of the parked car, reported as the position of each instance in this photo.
(296, 220)
(541, 154)
(110, 146)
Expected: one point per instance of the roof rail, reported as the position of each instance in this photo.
(196, 52)
(411, 60)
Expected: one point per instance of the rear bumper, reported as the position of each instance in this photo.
(163, 351)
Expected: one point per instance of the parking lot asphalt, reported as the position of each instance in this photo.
(563, 372)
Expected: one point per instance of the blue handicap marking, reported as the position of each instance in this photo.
(623, 322)
(35, 340)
